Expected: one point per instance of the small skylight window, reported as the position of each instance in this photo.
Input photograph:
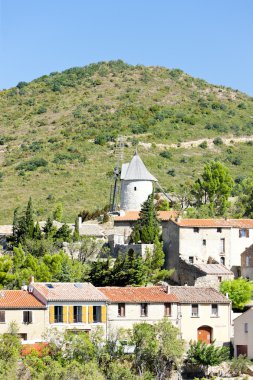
(50, 286)
(78, 285)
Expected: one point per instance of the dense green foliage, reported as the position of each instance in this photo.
(202, 354)
(61, 128)
(146, 230)
(81, 357)
(239, 291)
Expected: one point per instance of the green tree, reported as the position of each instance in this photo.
(29, 219)
(76, 235)
(147, 227)
(49, 229)
(58, 212)
(205, 355)
(213, 188)
(37, 232)
(239, 365)
(64, 233)
(239, 291)
(245, 197)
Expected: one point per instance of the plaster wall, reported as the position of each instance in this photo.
(134, 193)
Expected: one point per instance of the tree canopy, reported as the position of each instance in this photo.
(239, 291)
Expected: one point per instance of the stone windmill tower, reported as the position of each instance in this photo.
(136, 184)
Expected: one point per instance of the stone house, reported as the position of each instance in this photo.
(247, 263)
(207, 241)
(243, 334)
(205, 275)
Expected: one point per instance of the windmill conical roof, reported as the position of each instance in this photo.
(136, 170)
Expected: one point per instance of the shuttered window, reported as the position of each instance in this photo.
(77, 314)
(167, 309)
(58, 314)
(121, 309)
(2, 316)
(27, 317)
(195, 310)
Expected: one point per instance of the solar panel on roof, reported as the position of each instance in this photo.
(50, 286)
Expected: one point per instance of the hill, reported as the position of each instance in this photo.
(57, 132)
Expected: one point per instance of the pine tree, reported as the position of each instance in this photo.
(29, 219)
(58, 212)
(37, 232)
(76, 235)
(147, 227)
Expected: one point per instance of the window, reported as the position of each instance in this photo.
(58, 314)
(204, 242)
(245, 327)
(222, 260)
(77, 314)
(219, 278)
(195, 310)
(144, 309)
(22, 336)
(27, 317)
(214, 310)
(244, 232)
(222, 245)
(196, 229)
(167, 309)
(2, 316)
(121, 310)
(135, 188)
(191, 259)
(96, 314)
(247, 261)
(219, 230)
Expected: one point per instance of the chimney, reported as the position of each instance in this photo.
(178, 218)
(31, 280)
(168, 289)
(79, 222)
(24, 287)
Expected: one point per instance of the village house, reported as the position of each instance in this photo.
(199, 313)
(130, 305)
(247, 263)
(203, 314)
(199, 241)
(28, 313)
(71, 306)
(243, 334)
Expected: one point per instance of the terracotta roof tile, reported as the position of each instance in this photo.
(19, 299)
(154, 294)
(236, 223)
(134, 215)
(68, 291)
(192, 294)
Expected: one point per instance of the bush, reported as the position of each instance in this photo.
(41, 110)
(32, 164)
(21, 84)
(172, 172)
(203, 145)
(218, 141)
(166, 154)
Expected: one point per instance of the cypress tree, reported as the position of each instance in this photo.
(29, 221)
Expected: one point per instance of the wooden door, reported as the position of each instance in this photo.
(242, 349)
(205, 334)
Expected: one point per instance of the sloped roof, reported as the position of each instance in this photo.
(154, 294)
(91, 229)
(19, 299)
(192, 294)
(136, 170)
(134, 215)
(218, 269)
(68, 291)
(226, 223)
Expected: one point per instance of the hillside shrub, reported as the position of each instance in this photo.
(166, 154)
(218, 141)
(203, 145)
(32, 164)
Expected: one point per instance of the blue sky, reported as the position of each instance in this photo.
(209, 39)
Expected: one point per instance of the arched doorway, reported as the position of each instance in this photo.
(205, 334)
